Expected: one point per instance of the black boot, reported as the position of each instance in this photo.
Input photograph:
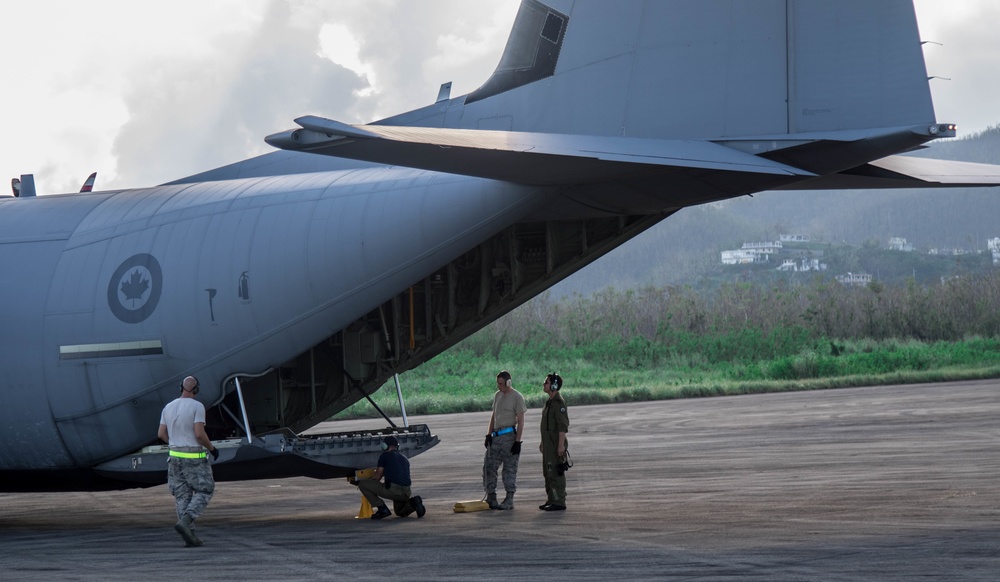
(418, 506)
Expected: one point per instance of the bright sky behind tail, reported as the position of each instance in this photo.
(146, 92)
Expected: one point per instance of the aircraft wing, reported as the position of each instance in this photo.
(906, 172)
(520, 157)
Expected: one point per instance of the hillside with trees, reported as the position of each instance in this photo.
(684, 249)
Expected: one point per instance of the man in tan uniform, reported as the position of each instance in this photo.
(503, 442)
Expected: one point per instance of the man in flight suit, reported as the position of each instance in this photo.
(189, 476)
(503, 442)
(555, 425)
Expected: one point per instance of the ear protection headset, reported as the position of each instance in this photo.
(197, 386)
(555, 382)
(389, 441)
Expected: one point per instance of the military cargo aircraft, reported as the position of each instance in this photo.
(296, 283)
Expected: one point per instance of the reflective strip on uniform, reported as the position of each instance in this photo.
(184, 455)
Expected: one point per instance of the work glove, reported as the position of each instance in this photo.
(489, 441)
(515, 449)
(215, 454)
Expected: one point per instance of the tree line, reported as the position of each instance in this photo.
(773, 320)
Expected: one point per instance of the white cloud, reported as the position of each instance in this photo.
(968, 55)
(146, 92)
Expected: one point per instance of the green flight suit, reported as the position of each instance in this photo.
(554, 420)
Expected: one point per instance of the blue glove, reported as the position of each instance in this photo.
(215, 454)
(515, 449)
(489, 441)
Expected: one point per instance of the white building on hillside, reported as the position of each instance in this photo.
(855, 279)
(900, 244)
(743, 257)
(802, 265)
(768, 248)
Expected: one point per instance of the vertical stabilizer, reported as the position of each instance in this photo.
(707, 69)
(27, 186)
(88, 184)
(855, 64)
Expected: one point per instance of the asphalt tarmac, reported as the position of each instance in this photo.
(887, 483)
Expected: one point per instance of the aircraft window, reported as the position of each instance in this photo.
(553, 28)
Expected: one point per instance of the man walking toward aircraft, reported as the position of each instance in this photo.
(189, 476)
(503, 442)
(394, 467)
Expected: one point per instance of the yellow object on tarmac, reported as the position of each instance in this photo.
(469, 506)
(366, 508)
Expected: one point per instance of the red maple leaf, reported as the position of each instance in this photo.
(135, 286)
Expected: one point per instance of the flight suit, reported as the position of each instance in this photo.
(555, 419)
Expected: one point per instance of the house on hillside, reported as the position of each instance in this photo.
(793, 238)
(802, 265)
(952, 252)
(743, 257)
(994, 245)
(766, 248)
(855, 279)
(751, 253)
(900, 244)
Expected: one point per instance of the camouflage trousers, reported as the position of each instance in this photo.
(499, 454)
(192, 485)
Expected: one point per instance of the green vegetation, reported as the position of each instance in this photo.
(660, 343)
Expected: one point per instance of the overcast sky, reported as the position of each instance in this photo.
(146, 91)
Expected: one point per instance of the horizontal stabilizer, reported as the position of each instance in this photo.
(525, 158)
(906, 172)
(332, 129)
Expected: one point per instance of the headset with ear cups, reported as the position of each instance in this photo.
(193, 391)
(555, 382)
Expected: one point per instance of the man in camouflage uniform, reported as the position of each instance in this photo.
(189, 476)
(555, 425)
(503, 442)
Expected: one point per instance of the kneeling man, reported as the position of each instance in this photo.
(395, 468)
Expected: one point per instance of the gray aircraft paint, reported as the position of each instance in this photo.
(316, 265)
(107, 296)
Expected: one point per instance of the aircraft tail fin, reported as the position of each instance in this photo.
(706, 69)
(25, 187)
(88, 184)
(15, 186)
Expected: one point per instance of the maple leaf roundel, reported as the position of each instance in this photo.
(134, 289)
